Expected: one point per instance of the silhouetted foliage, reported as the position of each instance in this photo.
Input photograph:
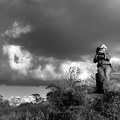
(37, 97)
(4, 103)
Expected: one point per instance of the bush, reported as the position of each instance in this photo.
(109, 106)
(25, 112)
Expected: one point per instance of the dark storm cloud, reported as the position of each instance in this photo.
(64, 29)
(29, 82)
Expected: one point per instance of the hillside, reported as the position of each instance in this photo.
(70, 99)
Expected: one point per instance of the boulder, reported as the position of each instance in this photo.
(114, 84)
(109, 86)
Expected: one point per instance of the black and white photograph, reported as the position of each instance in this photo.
(59, 59)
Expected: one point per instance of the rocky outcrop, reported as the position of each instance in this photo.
(109, 86)
(114, 84)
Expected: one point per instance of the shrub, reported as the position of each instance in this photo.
(109, 106)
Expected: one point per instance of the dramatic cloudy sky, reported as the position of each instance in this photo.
(41, 39)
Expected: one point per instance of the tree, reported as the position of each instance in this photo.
(4, 103)
(72, 76)
(65, 93)
(37, 97)
(1, 98)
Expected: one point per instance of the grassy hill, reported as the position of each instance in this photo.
(67, 100)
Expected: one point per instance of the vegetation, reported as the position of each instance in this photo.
(67, 100)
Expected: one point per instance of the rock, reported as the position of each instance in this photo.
(114, 84)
